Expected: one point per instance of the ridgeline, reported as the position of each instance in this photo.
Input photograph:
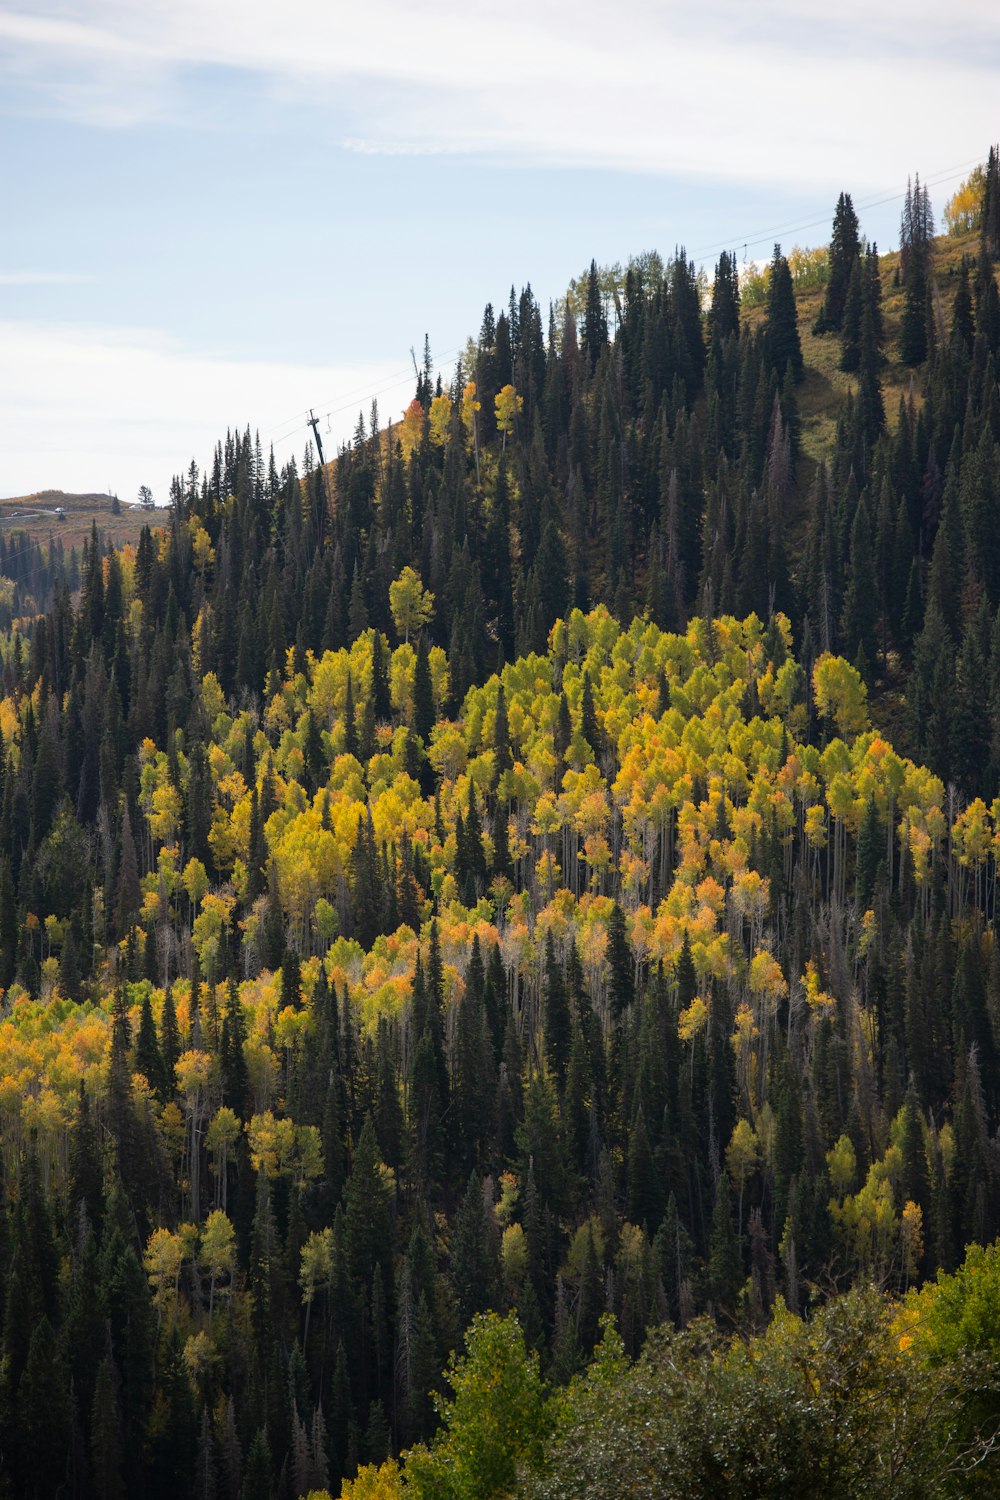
(535, 877)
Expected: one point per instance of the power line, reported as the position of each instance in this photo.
(705, 252)
(699, 256)
(361, 393)
(301, 422)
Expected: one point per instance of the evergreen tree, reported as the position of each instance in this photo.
(621, 987)
(475, 1258)
(724, 313)
(556, 1017)
(990, 220)
(423, 694)
(845, 248)
(725, 1273)
(595, 323)
(782, 333)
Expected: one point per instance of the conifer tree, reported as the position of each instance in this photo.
(724, 313)
(990, 221)
(595, 323)
(556, 1021)
(621, 985)
(845, 247)
(423, 693)
(782, 333)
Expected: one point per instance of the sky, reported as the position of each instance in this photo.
(220, 214)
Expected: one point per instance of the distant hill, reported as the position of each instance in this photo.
(58, 497)
(37, 515)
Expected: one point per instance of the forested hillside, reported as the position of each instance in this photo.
(543, 863)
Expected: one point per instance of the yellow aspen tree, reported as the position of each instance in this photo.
(217, 1253)
(508, 405)
(411, 604)
(411, 429)
(470, 406)
(440, 420)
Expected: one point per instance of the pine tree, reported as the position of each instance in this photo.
(990, 222)
(589, 727)
(621, 986)
(595, 323)
(474, 1072)
(148, 1060)
(423, 693)
(915, 236)
(871, 842)
(861, 591)
(871, 409)
(724, 313)
(258, 1483)
(781, 330)
(556, 1017)
(851, 318)
(170, 1041)
(644, 1201)
(725, 1273)
(235, 1075)
(845, 248)
(43, 1419)
(475, 1255)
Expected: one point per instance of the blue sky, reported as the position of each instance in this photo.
(221, 213)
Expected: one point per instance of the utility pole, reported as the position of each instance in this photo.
(314, 424)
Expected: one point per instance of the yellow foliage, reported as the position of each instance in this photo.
(440, 420)
(963, 211)
(819, 1002)
(766, 978)
(693, 1020)
(840, 694)
(382, 1483)
(508, 405)
(411, 429)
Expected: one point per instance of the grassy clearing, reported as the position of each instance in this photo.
(826, 386)
(35, 516)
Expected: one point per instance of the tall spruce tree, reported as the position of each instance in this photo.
(845, 247)
(782, 343)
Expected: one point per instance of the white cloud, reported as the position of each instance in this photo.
(88, 409)
(765, 92)
(43, 278)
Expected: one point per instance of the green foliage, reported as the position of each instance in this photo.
(495, 1419)
(357, 990)
(840, 1405)
(784, 349)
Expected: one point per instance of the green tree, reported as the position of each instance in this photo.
(556, 1016)
(423, 693)
(43, 1420)
(621, 982)
(781, 329)
(724, 314)
(595, 322)
(845, 247)
(494, 1421)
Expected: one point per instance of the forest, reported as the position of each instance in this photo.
(499, 988)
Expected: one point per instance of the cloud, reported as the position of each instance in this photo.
(88, 409)
(43, 278)
(766, 93)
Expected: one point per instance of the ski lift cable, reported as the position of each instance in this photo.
(944, 174)
(699, 257)
(360, 393)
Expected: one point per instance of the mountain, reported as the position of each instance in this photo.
(480, 886)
